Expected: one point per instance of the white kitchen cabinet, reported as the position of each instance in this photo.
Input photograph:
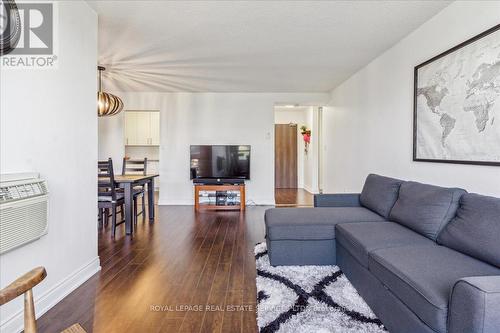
(142, 128)
(130, 128)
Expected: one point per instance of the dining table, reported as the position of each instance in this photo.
(127, 183)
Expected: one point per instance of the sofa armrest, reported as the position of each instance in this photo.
(475, 305)
(337, 200)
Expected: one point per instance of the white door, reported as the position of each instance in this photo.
(155, 128)
(130, 128)
(143, 128)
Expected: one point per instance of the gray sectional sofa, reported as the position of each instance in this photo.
(425, 258)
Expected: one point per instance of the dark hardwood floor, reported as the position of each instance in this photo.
(293, 197)
(163, 278)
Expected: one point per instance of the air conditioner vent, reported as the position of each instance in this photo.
(23, 210)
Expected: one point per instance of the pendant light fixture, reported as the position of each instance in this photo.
(107, 104)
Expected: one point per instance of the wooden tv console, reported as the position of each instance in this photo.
(236, 205)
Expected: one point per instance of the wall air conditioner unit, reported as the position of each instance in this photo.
(23, 209)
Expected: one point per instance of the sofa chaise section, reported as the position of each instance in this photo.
(306, 236)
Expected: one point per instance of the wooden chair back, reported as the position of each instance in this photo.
(24, 285)
(106, 185)
(131, 167)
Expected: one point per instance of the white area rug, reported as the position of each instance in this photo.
(309, 299)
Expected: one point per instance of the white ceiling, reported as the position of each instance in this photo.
(248, 46)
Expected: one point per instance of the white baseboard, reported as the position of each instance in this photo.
(310, 190)
(46, 301)
(265, 203)
(260, 202)
(175, 203)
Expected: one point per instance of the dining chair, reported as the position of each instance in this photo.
(108, 196)
(137, 167)
(24, 285)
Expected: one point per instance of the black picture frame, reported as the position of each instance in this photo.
(415, 96)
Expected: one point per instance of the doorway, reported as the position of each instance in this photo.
(296, 159)
(287, 192)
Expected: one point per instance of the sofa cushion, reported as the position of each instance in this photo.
(359, 239)
(380, 193)
(312, 223)
(422, 277)
(424, 208)
(476, 228)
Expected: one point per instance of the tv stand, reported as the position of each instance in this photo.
(219, 197)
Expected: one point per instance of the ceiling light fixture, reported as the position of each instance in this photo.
(107, 104)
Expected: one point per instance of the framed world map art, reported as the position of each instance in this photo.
(457, 104)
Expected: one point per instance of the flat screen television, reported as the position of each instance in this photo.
(220, 162)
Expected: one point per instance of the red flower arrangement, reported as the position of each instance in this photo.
(306, 134)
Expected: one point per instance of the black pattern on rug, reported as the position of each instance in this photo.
(308, 299)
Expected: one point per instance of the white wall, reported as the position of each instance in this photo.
(111, 140)
(49, 125)
(211, 118)
(311, 158)
(369, 125)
